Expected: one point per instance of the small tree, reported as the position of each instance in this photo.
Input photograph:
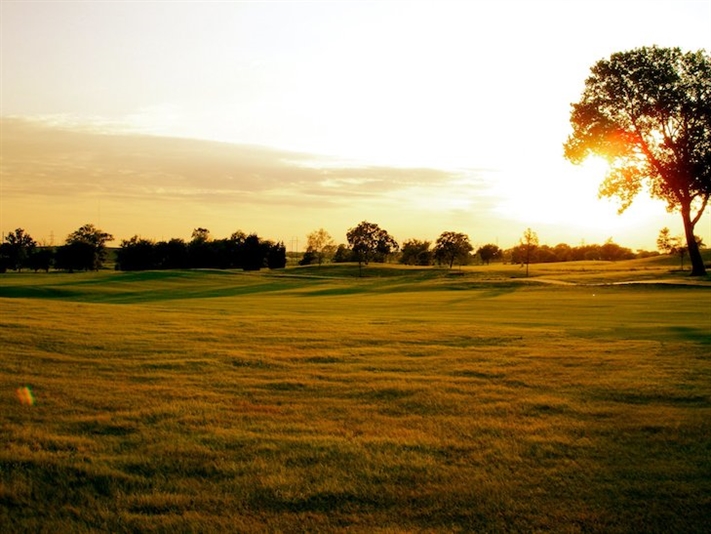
(367, 240)
(319, 246)
(451, 246)
(528, 244)
(489, 252)
(665, 242)
(675, 245)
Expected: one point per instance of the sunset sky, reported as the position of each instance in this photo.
(279, 118)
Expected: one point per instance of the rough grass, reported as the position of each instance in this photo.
(411, 400)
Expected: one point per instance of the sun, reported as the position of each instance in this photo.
(594, 167)
(562, 202)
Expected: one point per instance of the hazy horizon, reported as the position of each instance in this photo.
(154, 118)
(131, 184)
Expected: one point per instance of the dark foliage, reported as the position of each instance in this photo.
(415, 252)
(76, 256)
(238, 252)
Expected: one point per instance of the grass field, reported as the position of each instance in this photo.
(310, 400)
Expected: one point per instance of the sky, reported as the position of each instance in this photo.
(158, 117)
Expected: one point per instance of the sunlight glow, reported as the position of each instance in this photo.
(419, 116)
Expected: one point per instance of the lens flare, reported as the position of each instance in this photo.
(24, 394)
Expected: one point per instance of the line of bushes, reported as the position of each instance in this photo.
(239, 251)
(85, 250)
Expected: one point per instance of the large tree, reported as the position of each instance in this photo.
(648, 112)
(85, 249)
(368, 240)
(451, 246)
(18, 248)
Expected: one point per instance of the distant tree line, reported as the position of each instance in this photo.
(368, 242)
(239, 251)
(85, 250)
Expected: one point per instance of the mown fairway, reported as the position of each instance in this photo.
(312, 401)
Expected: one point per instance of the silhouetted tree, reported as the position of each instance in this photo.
(309, 258)
(85, 249)
(201, 253)
(5, 255)
(489, 252)
(275, 254)
(76, 256)
(137, 254)
(368, 240)
(415, 252)
(41, 259)
(253, 253)
(451, 246)
(234, 248)
(172, 254)
(648, 112)
(19, 247)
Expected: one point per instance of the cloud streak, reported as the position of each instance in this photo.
(66, 165)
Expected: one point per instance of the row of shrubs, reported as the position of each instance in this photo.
(247, 252)
(415, 252)
(85, 250)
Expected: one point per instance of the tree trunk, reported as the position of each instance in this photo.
(697, 262)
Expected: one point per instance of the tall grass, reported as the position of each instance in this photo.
(314, 401)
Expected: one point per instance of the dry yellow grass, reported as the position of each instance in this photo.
(396, 403)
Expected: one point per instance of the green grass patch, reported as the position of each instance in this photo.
(314, 400)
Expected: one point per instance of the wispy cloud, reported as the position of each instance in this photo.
(43, 160)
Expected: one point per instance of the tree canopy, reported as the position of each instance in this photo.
(319, 246)
(239, 251)
(527, 245)
(17, 248)
(368, 239)
(451, 246)
(489, 252)
(416, 252)
(648, 112)
(85, 249)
